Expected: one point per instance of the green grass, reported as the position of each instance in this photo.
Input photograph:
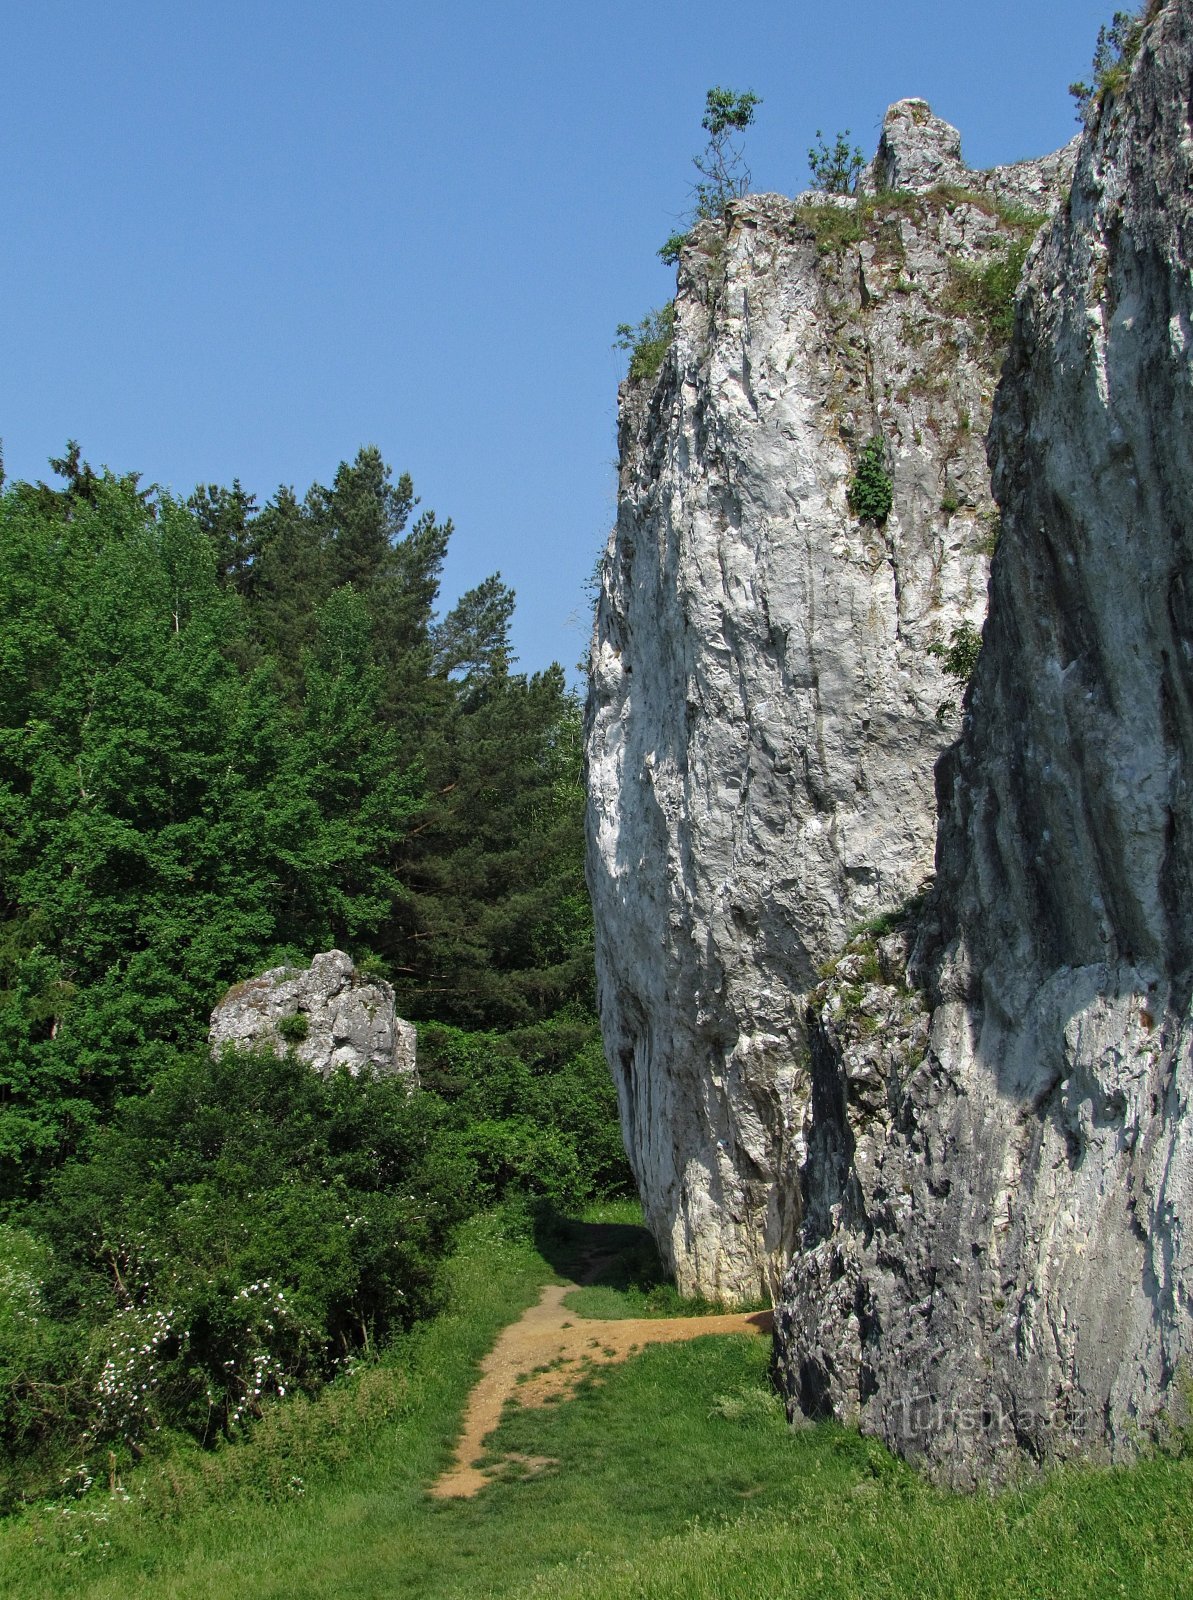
(673, 1474)
(624, 1276)
(608, 1304)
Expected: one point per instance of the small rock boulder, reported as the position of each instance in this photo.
(329, 1013)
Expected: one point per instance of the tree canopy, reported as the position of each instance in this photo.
(230, 736)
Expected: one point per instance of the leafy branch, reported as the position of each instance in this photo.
(724, 175)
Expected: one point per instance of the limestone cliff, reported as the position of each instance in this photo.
(762, 722)
(998, 1247)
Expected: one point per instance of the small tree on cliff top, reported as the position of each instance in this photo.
(835, 167)
(724, 175)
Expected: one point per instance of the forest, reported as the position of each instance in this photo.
(232, 736)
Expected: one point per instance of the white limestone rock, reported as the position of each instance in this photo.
(762, 715)
(997, 1257)
(349, 1020)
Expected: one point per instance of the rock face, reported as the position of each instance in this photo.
(762, 721)
(341, 1019)
(998, 1247)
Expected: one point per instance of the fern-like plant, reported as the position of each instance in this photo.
(958, 658)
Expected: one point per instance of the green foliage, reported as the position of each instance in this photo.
(247, 1227)
(32, 1344)
(228, 738)
(647, 341)
(226, 517)
(724, 175)
(958, 658)
(835, 168)
(228, 735)
(533, 1110)
(833, 227)
(335, 1489)
(1116, 48)
(669, 250)
(169, 820)
(871, 493)
(497, 929)
(235, 1234)
(294, 1029)
(985, 294)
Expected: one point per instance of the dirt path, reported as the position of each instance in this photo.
(550, 1349)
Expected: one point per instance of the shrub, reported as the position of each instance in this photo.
(958, 658)
(1116, 48)
(34, 1357)
(237, 1233)
(835, 168)
(545, 1101)
(294, 1029)
(647, 341)
(871, 494)
(670, 248)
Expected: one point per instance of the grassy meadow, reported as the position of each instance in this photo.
(674, 1474)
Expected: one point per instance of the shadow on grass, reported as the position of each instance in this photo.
(617, 1267)
(618, 1255)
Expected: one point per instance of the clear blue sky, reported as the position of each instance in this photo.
(243, 239)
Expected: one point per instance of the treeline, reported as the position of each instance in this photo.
(233, 736)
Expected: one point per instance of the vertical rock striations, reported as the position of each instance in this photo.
(762, 721)
(998, 1246)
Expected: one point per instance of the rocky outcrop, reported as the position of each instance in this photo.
(329, 1013)
(762, 721)
(920, 153)
(997, 1258)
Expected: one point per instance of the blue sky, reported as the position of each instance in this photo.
(242, 240)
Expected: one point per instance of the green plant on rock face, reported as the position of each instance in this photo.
(672, 245)
(871, 494)
(958, 658)
(985, 296)
(835, 168)
(1117, 47)
(724, 175)
(647, 341)
(294, 1029)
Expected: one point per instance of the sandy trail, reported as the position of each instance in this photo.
(550, 1349)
